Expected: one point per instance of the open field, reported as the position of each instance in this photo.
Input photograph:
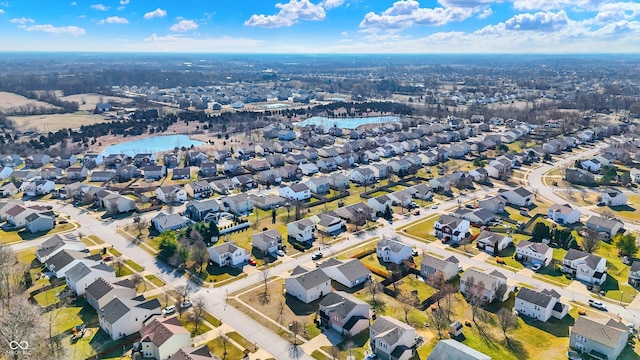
(89, 101)
(55, 122)
(10, 100)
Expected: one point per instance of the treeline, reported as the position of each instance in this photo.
(61, 106)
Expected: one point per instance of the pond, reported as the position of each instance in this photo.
(348, 123)
(152, 144)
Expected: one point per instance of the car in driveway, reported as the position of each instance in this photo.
(168, 310)
(316, 255)
(597, 304)
(280, 252)
(371, 356)
(536, 267)
(252, 262)
(186, 304)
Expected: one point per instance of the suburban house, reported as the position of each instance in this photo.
(613, 197)
(449, 227)
(10, 189)
(171, 194)
(172, 159)
(77, 173)
(634, 274)
(144, 159)
(610, 227)
(244, 182)
(476, 217)
(486, 285)
(301, 230)
(191, 353)
(64, 260)
(81, 275)
(16, 215)
(38, 222)
(114, 203)
(55, 244)
(535, 253)
(267, 241)
(344, 313)
(222, 187)
(319, 185)
(198, 189)
(635, 175)
(349, 273)
(579, 176)
(519, 196)
(307, 285)
(154, 172)
(37, 187)
(164, 221)
(238, 204)
(495, 204)
(339, 181)
(123, 317)
(181, 173)
(492, 242)
(592, 165)
(200, 210)
(430, 265)
(380, 203)
(563, 214)
(585, 267)
(102, 176)
(540, 305)
(454, 350)
(328, 224)
(602, 338)
(102, 290)
(268, 202)
(390, 250)
(163, 337)
(297, 191)
(228, 254)
(392, 339)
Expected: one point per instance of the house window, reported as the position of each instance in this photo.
(582, 338)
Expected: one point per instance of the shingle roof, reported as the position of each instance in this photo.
(201, 353)
(159, 330)
(453, 350)
(599, 332)
(536, 247)
(311, 279)
(389, 329)
(393, 245)
(352, 269)
(534, 297)
(65, 257)
(340, 302)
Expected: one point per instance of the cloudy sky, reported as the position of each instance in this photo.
(322, 26)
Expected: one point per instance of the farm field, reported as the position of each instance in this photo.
(10, 100)
(55, 122)
(88, 101)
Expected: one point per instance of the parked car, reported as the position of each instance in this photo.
(417, 212)
(434, 206)
(107, 258)
(252, 262)
(536, 267)
(414, 252)
(597, 304)
(316, 255)
(371, 356)
(169, 310)
(186, 304)
(280, 252)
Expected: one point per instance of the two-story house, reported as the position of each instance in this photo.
(81, 275)
(535, 253)
(102, 290)
(488, 286)
(563, 214)
(392, 339)
(228, 254)
(171, 194)
(64, 260)
(449, 227)
(585, 267)
(328, 224)
(301, 230)
(431, 265)
(518, 197)
(602, 338)
(613, 197)
(297, 191)
(55, 244)
(540, 305)
(492, 242)
(344, 313)
(608, 227)
(307, 285)
(634, 274)
(123, 317)
(198, 189)
(201, 210)
(268, 242)
(391, 250)
(239, 204)
(160, 338)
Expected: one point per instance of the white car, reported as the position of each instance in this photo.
(169, 310)
(597, 304)
(434, 206)
(536, 267)
(280, 252)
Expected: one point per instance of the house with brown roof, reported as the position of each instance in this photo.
(163, 337)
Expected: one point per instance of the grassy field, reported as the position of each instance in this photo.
(423, 230)
(89, 101)
(11, 100)
(356, 347)
(155, 280)
(232, 352)
(27, 256)
(55, 122)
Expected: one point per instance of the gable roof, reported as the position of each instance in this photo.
(393, 245)
(102, 287)
(535, 247)
(540, 298)
(309, 279)
(450, 349)
(351, 269)
(65, 257)
(160, 330)
(80, 270)
(599, 331)
(201, 353)
(437, 263)
(591, 260)
(389, 329)
(341, 302)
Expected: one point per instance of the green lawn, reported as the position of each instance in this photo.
(627, 212)
(95, 239)
(155, 280)
(124, 271)
(240, 340)
(113, 251)
(9, 237)
(77, 313)
(85, 240)
(423, 230)
(356, 347)
(134, 266)
(26, 256)
(216, 347)
(49, 297)
(214, 321)
(191, 326)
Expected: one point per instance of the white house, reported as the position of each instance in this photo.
(63, 261)
(102, 290)
(171, 193)
(328, 224)
(519, 196)
(55, 244)
(38, 187)
(228, 254)
(380, 203)
(362, 175)
(389, 250)
(80, 276)
(301, 230)
(635, 175)
(163, 337)
(37, 222)
(164, 221)
(307, 285)
(297, 191)
(430, 265)
(592, 165)
(344, 313)
(308, 169)
(613, 197)
(563, 214)
(238, 204)
(540, 305)
(349, 273)
(486, 285)
(319, 185)
(392, 339)
(267, 241)
(123, 317)
(451, 228)
(536, 253)
(585, 267)
(604, 338)
(492, 242)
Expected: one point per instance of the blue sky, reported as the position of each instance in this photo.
(322, 26)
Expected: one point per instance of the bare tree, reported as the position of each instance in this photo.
(570, 193)
(590, 241)
(118, 264)
(184, 291)
(280, 309)
(373, 287)
(198, 312)
(507, 321)
(334, 352)
(223, 341)
(475, 296)
(199, 255)
(608, 214)
(438, 320)
(137, 279)
(264, 296)
(294, 347)
(140, 225)
(408, 301)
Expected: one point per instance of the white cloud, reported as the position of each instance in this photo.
(613, 12)
(174, 43)
(1, 11)
(467, 3)
(99, 7)
(330, 4)
(124, 2)
(619, 28)
(73, 3)
(57, 30)
(155, 14)
(289, 14)
(21, 21)
(113, 20)
(184, 25)
(405, 13)
(485, 13)
(540, 21)
(557, 4)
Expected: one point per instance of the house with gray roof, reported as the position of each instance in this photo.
(307, 285)
(123, 317)
(392, 250)
(534, 253)
(102, 290)
(268, 242)
(449, 227)
(57, 243)
(192, 353)
(601, 338)
(585, 267)
(450, 349)
(64, 260)
(301, 231)
(228, 254)
(492, 242)
(486, 285)
(349, 273)
(81, 275)
(319, 185)
(201, 210)
(328, 224)
(540, 305)
(37, 222)
(296, 191)
(198, 189)
(164, 221)
(478, 216)
(518, 196)
(431, 264)
(392, 339)
(344, 313)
